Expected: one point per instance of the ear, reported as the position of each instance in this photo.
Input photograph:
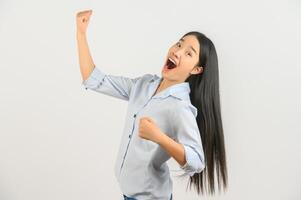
(197, 70)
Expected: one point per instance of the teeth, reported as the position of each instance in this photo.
(174, 62)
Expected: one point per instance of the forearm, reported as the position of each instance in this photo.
(85, 59)
(173, 148)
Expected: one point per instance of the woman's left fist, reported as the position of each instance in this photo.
(149, 130)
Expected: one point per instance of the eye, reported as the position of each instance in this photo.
(178, 44)
(189, 53)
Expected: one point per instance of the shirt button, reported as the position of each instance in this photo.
(135, 115)
(130, 136)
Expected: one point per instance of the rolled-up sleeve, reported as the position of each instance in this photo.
(187, 133)
(112, 85)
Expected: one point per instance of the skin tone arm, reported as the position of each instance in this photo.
(85, 59)
(173, 148)
(150, 131)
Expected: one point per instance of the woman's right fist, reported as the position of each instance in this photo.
(82, 20)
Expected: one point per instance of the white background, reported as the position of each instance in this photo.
(58, 141)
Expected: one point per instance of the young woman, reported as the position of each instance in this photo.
(176, 115)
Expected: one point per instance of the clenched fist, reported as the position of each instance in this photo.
(82, 20)
(149, 130)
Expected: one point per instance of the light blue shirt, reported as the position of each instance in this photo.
(140, 166)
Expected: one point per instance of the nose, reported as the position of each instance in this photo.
(176, 54)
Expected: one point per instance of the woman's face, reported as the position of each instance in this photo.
(182, 58)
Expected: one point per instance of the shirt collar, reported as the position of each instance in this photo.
(179, 90)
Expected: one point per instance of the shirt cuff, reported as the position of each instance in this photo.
(193, 162)
(95, 79)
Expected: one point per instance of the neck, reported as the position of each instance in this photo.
(165, 84)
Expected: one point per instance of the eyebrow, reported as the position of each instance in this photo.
(182, 40)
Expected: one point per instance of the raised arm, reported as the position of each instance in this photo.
(93, 77)
(85, 59)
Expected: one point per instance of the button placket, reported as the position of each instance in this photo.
(130, 135)
(135, 115)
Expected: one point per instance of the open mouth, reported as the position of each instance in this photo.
(170, 64)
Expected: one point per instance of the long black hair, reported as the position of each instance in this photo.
(205, 97)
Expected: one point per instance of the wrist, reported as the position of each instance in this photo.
(161, 138)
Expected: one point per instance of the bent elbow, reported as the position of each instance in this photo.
(194, 161)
